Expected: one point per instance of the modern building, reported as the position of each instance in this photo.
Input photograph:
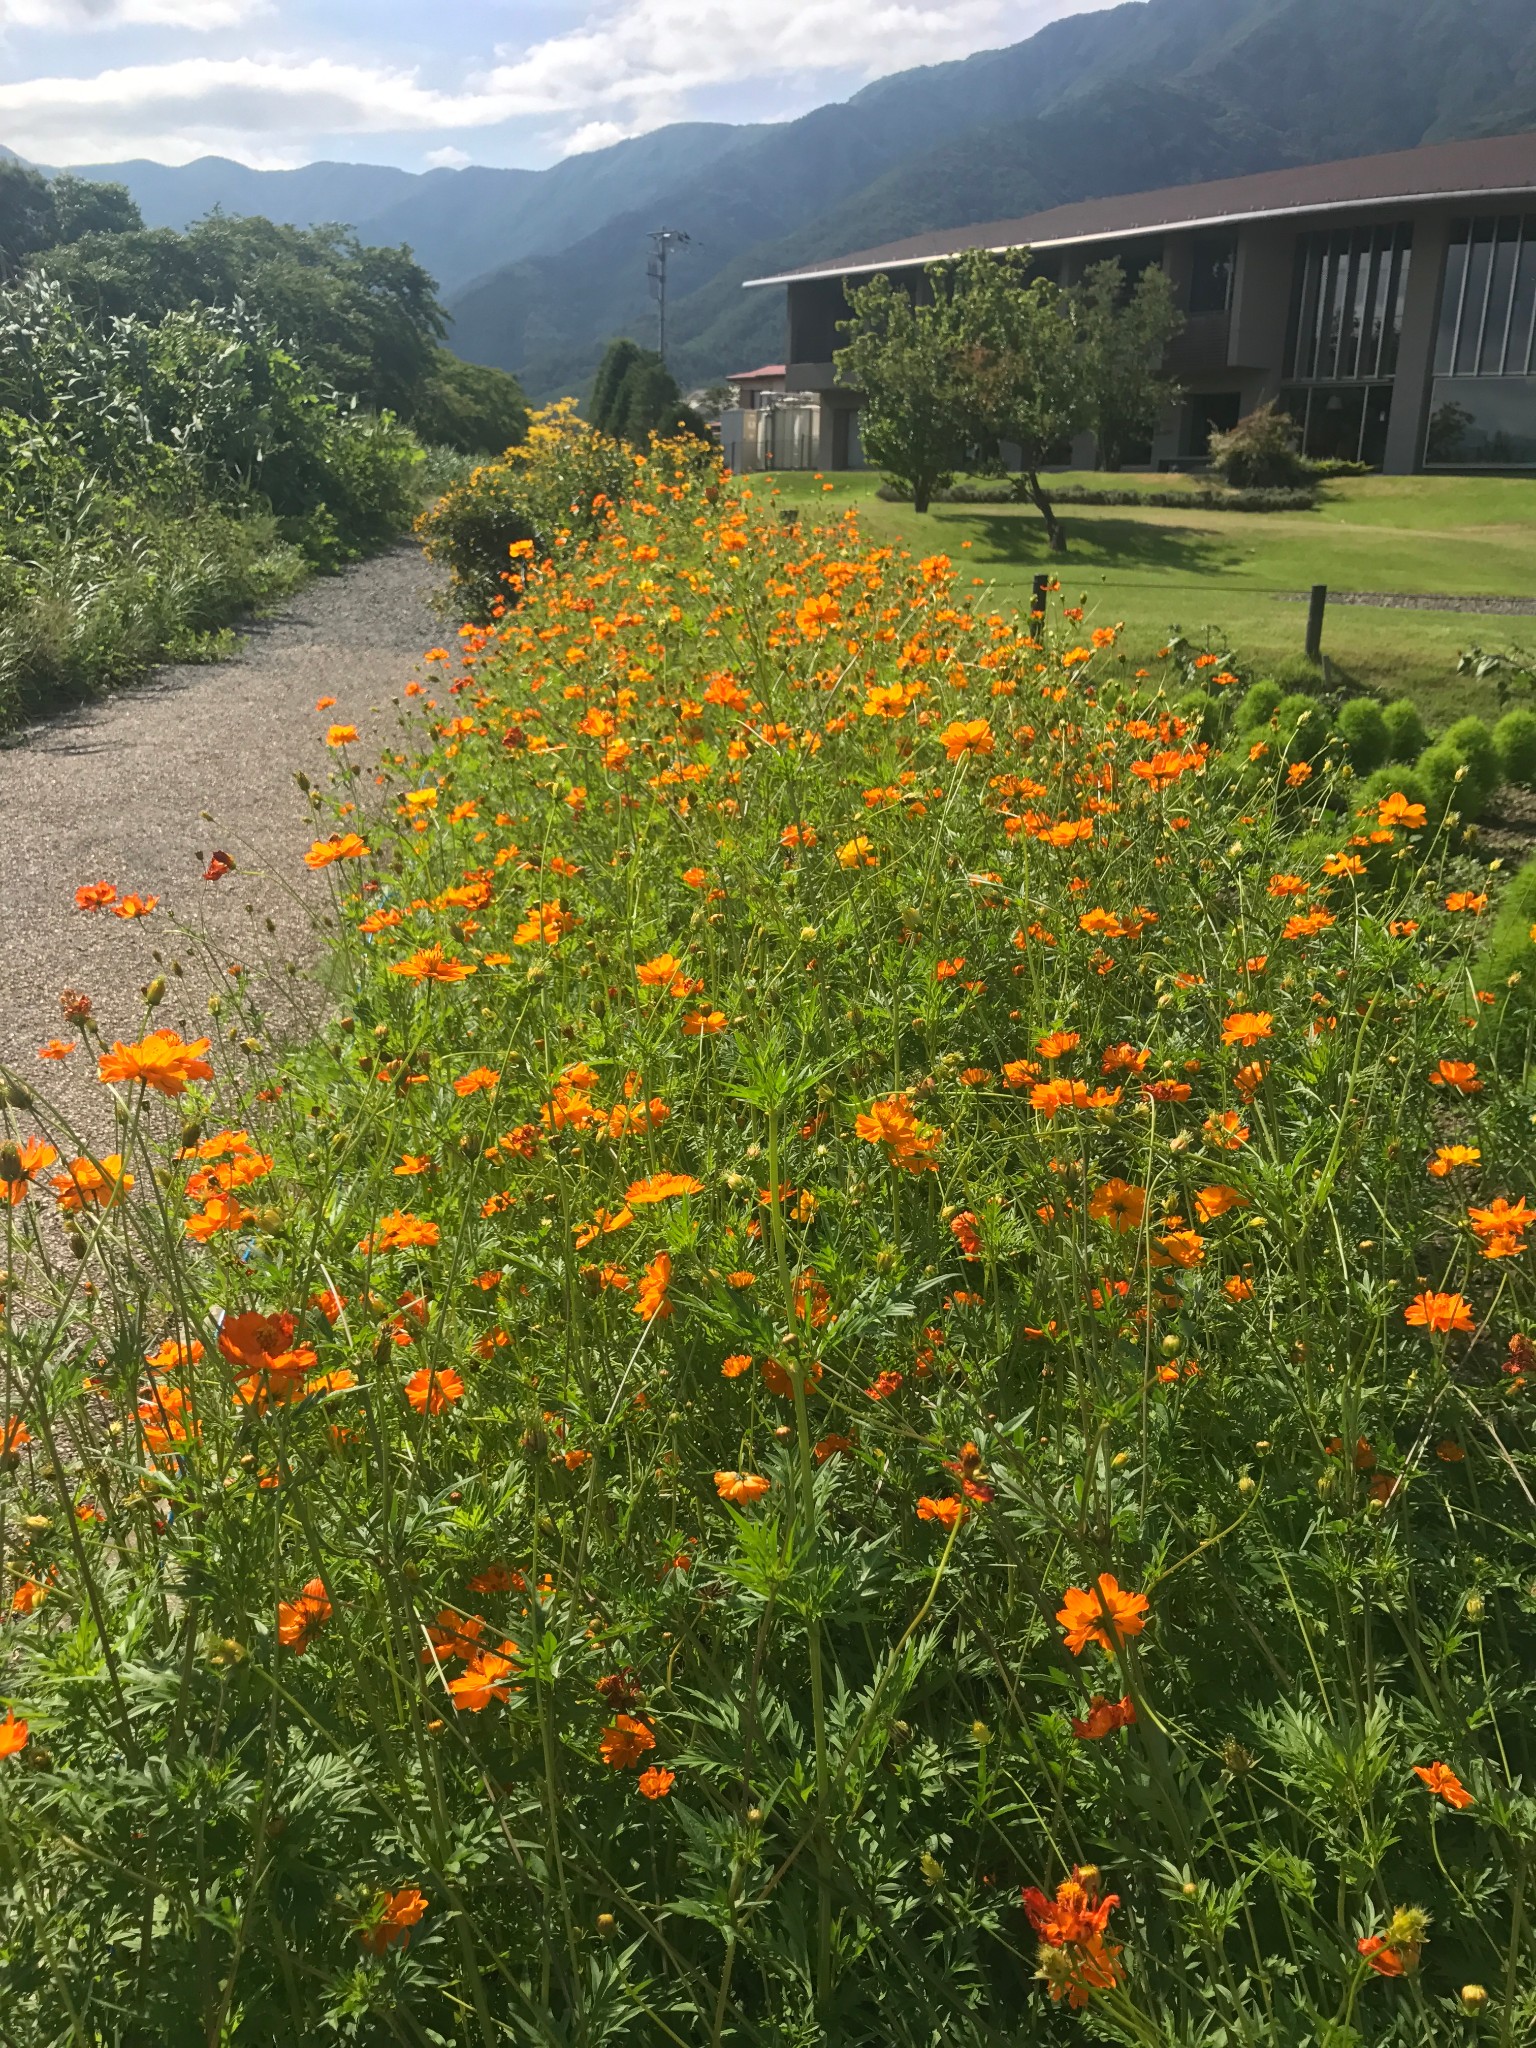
(1387, 302)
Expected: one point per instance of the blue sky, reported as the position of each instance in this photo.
(426, 82)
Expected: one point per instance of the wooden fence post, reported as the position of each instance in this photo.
(1315, 612)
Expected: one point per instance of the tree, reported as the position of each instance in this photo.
(1023, 371)
(82, 207)
(467, 406)
(635, 396)
(619, 358)
(1124, 336)
(903, 359)
(26, 214)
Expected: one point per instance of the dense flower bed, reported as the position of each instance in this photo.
(873, 1388)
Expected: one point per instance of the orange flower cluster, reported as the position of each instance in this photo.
(1075, 1958)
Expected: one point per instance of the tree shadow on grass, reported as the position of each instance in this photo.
(1185, 551)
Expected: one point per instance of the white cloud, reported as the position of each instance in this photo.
(620, 73)
(449, 158)
(206, 15)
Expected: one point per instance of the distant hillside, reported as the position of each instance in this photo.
(540, 267)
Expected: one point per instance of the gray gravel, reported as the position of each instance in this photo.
(141, 789)
(1401, 601)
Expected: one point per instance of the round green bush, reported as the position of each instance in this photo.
(1258, 705)
(1363, 726)
(1514, 741)
(1297, 673)
(1406, 731)
(1438, 768)
(1204, 715)
(1304, 727)
(1473, 741)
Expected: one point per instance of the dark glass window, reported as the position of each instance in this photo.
(1488, 300)
(1341, 422)
(1482, 423)
(1214, 264)
(1347, 301)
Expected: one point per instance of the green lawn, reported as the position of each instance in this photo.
(1218, 574)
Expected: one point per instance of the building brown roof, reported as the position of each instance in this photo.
(1491, 166)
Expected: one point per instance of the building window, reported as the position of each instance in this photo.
(1210, 412)
(1347, 305)
(1213, 265)
(1482, 412)
(1341, 422)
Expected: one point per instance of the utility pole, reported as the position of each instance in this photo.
(663, 241)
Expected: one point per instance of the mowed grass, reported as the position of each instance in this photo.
(1223, 576)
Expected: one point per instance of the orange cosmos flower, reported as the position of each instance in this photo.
(797, 835)
(741, 1489)
(966, 737)
(429, 1393)
(1104, 1717)
(1075, 1959)
(341, 735)
(91, 1183)
(1443, 1781)
(703, 1023)
(1226, 1132)
(398, 1913)
(28, 1596)
(891, 1124)
(948, 1510)
(340, 846)
(431, 964)
(1395, 1951)
(472, 1083)
(401, 1232)
(1055, 1043)
(739, 1362)
(480, 1682)
(1473, 902)
(1395, 810)
(656, 1783)
(57, 1048)
(1182, 1248)
(1119, 1204)
(13, 1735)
(24, 1162)
(298, 1621)
(160, 1061)
(1215, 1201)
(964, 1231)
(1460, 1076)
(622, 1745)
(134, 906)
(858, 852)
(651, 1301)
(1439, 1313)
(1502, 1218)
(1449, 1157)
(1105, 1615)
(1247, 1027)
(661, 1187)
(94, 896)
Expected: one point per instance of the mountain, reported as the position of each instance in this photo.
(1158, 92)
(539, 268)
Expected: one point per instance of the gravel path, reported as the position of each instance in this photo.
(1400, 601)
(140, 791)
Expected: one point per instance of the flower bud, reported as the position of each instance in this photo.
(754, 1816)
(1473, 1997)
(11, 1168)
(154, 991)
(1476, 1607)
(1173, 1344)
(1247, 1486)
(17, 1096)
(607, 1926)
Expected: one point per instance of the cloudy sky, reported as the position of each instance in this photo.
(423, 82)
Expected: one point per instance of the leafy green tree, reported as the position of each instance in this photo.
(27, 219)
(83, 207)
(904, 360)
(468, 406)
(1023, 371)
(1124, 335)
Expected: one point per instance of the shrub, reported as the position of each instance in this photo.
(1454, 783)
(1262, 452)
(1472, 741)
(1507, 971)
(1303, 726)
(1363, 726)
(1514, 740)
(1296, 672)
(1257, 706)
(1407, 733)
